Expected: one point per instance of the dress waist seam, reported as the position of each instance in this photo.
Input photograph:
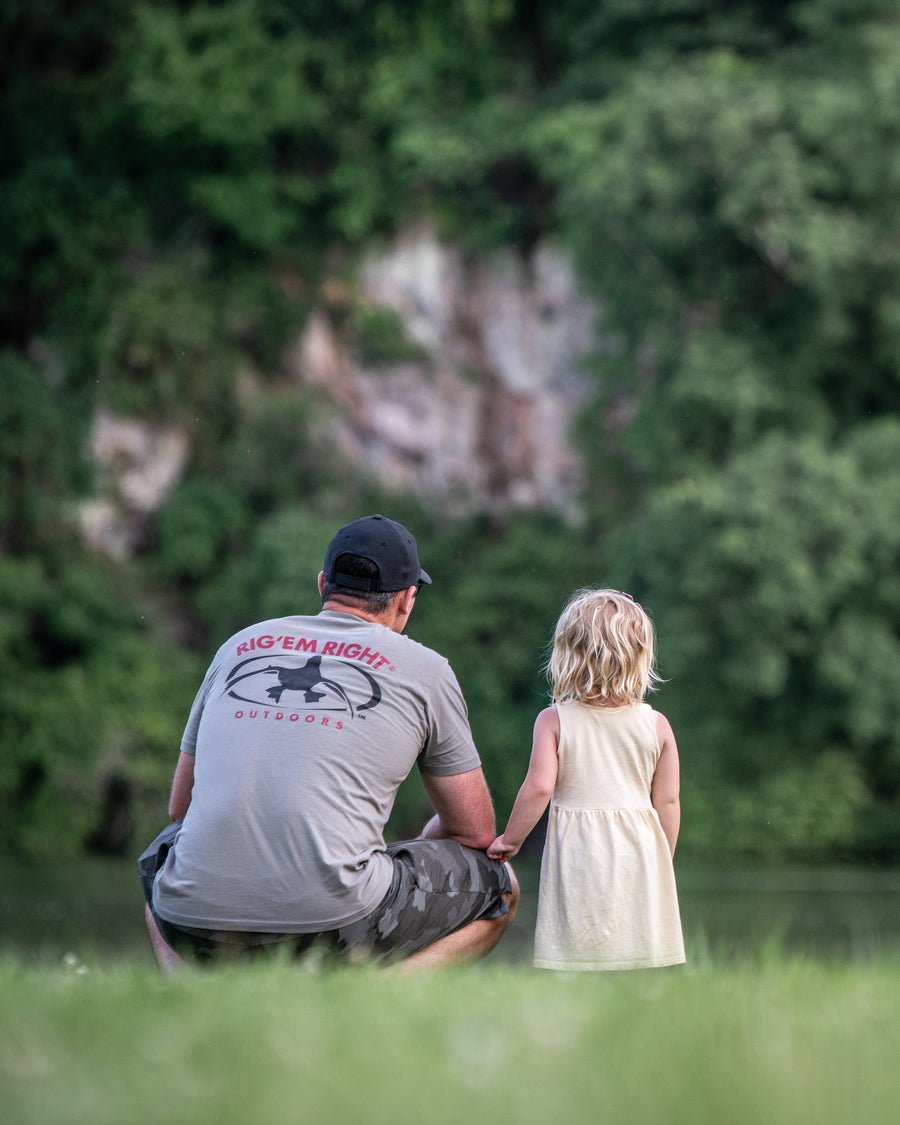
(602, 808)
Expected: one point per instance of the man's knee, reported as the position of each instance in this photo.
(511, 898)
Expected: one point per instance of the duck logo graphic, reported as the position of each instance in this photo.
(340, 686)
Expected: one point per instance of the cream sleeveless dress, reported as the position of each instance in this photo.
(607, 897)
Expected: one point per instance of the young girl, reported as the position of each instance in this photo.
(607, 897)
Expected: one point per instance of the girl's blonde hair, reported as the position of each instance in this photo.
(604, 650)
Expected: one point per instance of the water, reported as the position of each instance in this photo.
(90, 907)
(820, 911)
(93, 909)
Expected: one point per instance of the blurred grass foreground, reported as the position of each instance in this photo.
(775, 1041)
(785, 1013)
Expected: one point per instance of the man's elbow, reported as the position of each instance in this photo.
(480, 841)
(474, 836)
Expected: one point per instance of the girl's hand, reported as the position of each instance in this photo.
(501, 850)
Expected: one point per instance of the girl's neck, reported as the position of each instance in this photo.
(606, 704)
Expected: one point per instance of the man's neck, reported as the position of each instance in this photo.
(334, 605)
(389, 619)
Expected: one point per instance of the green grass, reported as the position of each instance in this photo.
(773, 1040)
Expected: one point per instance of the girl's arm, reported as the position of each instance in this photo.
(665, 787)
(536, 790)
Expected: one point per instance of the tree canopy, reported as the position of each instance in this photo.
(725, 176)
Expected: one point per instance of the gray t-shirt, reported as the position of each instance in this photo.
(303, 729)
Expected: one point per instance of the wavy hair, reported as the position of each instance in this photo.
(604, 650)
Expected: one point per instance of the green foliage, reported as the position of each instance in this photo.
(381, 338)
(214, 92)
(790, 812)
(719, 205)
(81, 688)
(269, 120)
(276, 576)
(40, 456)
(197, 528)
(175, 176)
(775, 624)
(167, 352)
(772, 550)
(64, 193)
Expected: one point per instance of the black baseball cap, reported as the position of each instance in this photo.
(383, 542)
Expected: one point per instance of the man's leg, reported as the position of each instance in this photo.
(471, 942)
(166, 957)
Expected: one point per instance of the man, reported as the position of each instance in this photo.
(298, 739)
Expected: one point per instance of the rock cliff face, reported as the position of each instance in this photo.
(138, 466)
(482, 419)
(474, 414)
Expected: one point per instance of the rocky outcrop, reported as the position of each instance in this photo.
(138, 464)
(481, 420)
(474, 412)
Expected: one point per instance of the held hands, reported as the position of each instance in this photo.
(501, 850)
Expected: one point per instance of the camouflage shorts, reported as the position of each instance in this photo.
(438, 887)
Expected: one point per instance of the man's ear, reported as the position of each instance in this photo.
(407, 600)
(321, 580)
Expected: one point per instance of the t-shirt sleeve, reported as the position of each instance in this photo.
(189, 737)
(449, 747)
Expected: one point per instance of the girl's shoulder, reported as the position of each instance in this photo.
(548, 718)
(663, 726)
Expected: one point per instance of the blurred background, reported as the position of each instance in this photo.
(596, 292)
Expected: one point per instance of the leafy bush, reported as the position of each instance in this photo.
(91, 704)
(792, 812)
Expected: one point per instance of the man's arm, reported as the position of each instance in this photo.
(182, 786)
(463, 808)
